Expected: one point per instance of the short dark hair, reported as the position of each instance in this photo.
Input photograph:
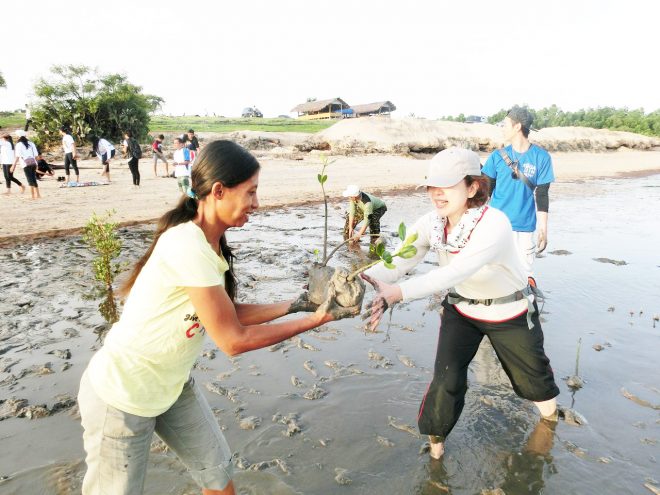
(160, 136)
(481, 196)
(191, 131)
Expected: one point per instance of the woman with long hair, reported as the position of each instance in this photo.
(26, 154)
(489, 295)
(183, 287)
(134, 152)
(7, 157)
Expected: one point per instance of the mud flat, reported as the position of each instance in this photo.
(335, 409)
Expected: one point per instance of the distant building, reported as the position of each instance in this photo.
(377, 108)
(334, 108)
(475, 119)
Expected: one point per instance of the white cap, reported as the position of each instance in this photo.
(450, 166)
(351, 191)
(21, 133)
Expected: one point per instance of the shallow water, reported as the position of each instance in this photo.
(45, 306)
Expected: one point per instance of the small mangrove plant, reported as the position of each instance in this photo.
(347, 287)
(100, 233)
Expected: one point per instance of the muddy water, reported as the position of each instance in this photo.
(48, 304)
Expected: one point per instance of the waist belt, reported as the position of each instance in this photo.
(519, 295)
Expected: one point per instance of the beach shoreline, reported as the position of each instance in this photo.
(283, 183)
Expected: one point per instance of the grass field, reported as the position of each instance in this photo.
(217, 124)
(10, 119)
(160, 123)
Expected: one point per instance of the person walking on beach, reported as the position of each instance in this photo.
(520, 175)
(134, 151)
(106, 152)
(372, 209)
(28, 117)
(183, 288)
(7, 157)
(489, 295)
(182, 168)
(157, 148)
(26, 154)
(70, 153)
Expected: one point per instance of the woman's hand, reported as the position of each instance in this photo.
(331, 310)
(302, 303)
(386, 296)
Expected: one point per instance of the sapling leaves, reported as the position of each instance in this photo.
(402, 231)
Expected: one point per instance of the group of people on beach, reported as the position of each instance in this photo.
(481, 226)
(25, 153)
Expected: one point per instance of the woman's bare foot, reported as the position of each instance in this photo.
(437, 449)
(22, 188)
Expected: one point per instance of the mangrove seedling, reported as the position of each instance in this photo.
(406, 250)
(101, 235)
(322, 178)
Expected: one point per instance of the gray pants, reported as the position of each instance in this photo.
(117, 443)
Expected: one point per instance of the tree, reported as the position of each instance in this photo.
(90, 104)
(3, 84)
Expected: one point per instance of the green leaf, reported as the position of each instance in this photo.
(380, 249)
(411, 238)
(402, 231)
(323, 179)
(407, 252)
(389, 265)
(319, 177)
(387, 257)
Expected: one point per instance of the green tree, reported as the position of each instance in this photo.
(3, 84)
(90, 104)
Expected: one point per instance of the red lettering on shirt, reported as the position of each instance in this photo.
(189, 333)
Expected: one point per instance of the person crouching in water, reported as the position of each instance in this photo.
(139, 382)
(489, 295)
(372, 209)
(106, 152)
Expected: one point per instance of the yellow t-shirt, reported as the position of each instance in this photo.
(147, 355)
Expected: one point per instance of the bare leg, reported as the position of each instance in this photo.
(548, 409)
(437, 448)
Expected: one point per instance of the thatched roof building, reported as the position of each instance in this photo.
(321, 109)
(377, 108)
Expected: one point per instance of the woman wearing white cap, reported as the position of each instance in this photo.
(372, 209)
(488, 295)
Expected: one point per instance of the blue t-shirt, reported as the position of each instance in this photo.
(511, 195)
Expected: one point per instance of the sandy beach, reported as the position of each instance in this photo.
(283, 182)
(334, 410)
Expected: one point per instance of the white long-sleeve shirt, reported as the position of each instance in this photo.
(488, 266)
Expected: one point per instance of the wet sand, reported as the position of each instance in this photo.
(282, 182)
(372, 382)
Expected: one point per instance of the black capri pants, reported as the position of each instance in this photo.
(30, 172)
(69, 161)
(374, 221)
(519, 349)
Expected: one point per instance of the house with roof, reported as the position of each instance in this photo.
(376, 108)
(333, 108)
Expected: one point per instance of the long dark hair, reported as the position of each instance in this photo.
(220, 161)
(9, 138)
(95, 143)
(25, 142)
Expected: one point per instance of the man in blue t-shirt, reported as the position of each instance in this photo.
(520, 187)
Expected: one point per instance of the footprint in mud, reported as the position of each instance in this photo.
(560, 252)
(341, 476)
(309, 366)
(407, 361)
(385, 442)
(398, 425)
(611, 261)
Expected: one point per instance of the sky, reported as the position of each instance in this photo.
(431, 58)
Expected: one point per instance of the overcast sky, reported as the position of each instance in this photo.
(430, 58)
